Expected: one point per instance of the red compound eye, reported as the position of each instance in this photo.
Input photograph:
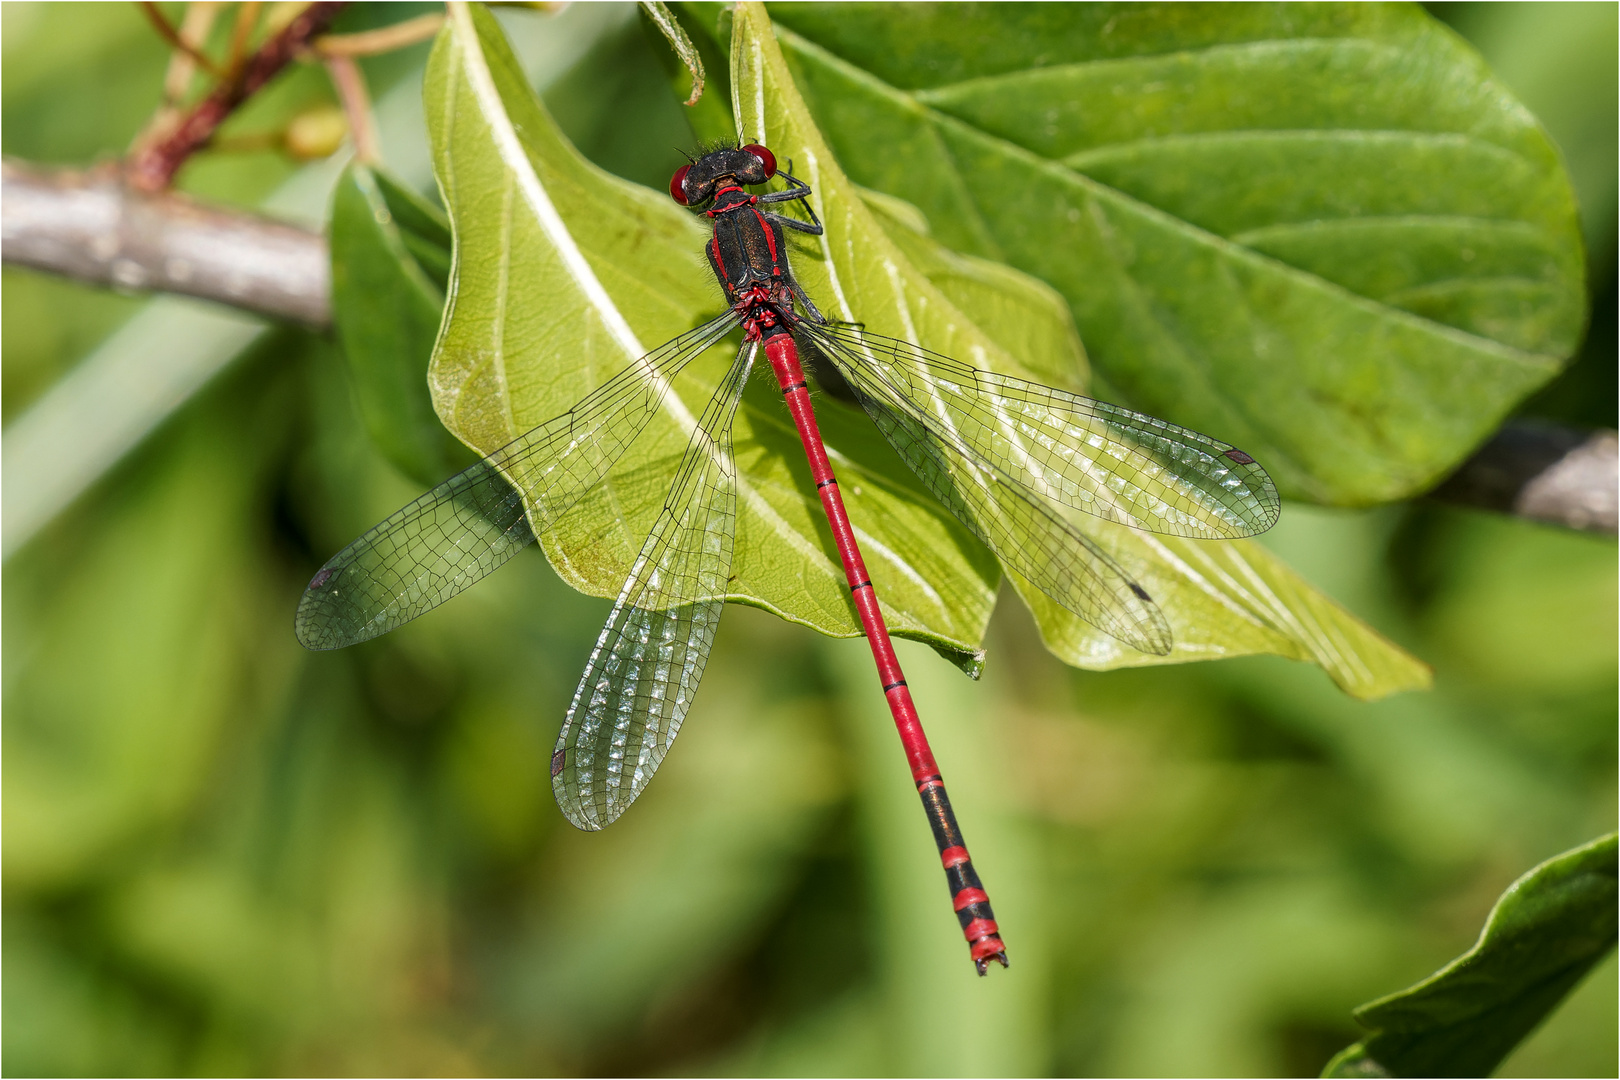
(766, 158)
(677, 188)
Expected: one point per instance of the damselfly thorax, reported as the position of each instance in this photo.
(748, 250)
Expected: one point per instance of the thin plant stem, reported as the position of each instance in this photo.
(182, 65)
(351, 88)
(247, 16)
(386, 39)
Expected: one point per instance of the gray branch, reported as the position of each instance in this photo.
(1544, 472)
(90, 226)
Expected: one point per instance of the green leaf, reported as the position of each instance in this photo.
(422, 227)
(563, 275)
(1546, 932)
(1324, 233)
(1222, 599)
(1232, 598)
(390, 265)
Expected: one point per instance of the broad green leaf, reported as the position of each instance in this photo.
(1222, 599)
(563, 275)
(1322, 232)
(390, 264)
(1546, 932)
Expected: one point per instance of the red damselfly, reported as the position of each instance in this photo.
(1003, 455)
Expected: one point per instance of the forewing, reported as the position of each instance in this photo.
(647, 663)
(1028, 537)
(1119, 465)
(472, 523)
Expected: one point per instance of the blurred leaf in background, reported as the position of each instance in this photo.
(390, 267)
(225, 855)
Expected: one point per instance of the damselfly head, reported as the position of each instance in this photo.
(695, 184)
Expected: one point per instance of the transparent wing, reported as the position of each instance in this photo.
(647, 663)
(1028, 536)
(1119, 465)
(463, 529)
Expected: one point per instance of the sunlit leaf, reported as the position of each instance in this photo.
(1233, 598)
(1026, 317)
(1547, 931)
(563, 275)
(1222, 599)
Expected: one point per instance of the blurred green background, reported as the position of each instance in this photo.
(226, 855)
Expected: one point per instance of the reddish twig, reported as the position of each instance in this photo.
(168, 33)
(177, 80)
(153, 168)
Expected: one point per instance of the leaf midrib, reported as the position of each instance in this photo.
(1510, 225)
(1322, 136)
